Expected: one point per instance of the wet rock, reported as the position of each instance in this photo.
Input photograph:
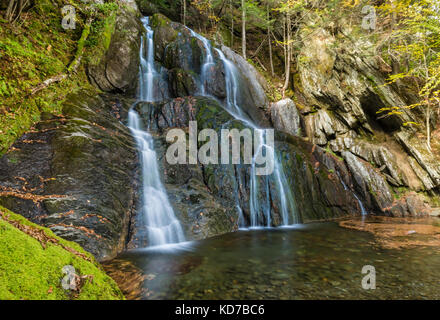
(418, 150)
(184, 52)
(318, 179)
(182, 83)
(255, 81)
(369, 183)
(76, 174)
(285, 117)
(147, 8)
(177, 48)
(215, 83)
(165, 32)
(203, 211)
(117, 70)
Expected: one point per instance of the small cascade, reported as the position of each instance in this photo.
(147, 72)
(260, 209)
(160, 221)
(209, 60)
(361, 205)
(231, 79)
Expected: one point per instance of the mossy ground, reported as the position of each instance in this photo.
(30, 272)
(36, 48)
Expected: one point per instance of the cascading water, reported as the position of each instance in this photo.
(162, 225)
(209, 60)
(258, 211)
(231, 80)
(361, 205)
(147, 70)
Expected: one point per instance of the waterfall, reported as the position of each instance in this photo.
(147, 72)
(258, 183)
(160, 221)
(361, 205)
(231, 80)
(209, 60)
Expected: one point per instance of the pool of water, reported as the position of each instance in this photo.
(316, 261)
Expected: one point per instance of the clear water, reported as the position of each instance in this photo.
(318, 261)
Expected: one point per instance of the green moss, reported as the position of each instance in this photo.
(32, 51)
(101, 33)
(27, 271)
(330, 151)
(159, 20)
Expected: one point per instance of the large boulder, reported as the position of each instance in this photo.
(117, 69)
(76, 174)
(285, 117)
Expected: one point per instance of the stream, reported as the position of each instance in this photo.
(314, 261)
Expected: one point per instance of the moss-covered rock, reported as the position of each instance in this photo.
(32, 259)
(165, 32)
(182, 83)
(115, 67)
(76, 174)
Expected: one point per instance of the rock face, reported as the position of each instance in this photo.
(205, 197)
(321, 183)
(285, 117)
(76, 174)
(118, 68)
(370, 183)
(427, 161)
(341, 92)
(181, 56)
(257, 88)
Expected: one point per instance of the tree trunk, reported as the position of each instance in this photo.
(269, 38)
(243, 28)
(11, 10)
(232, 22)
(184, 12)
(428, 127)
(288, 54)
